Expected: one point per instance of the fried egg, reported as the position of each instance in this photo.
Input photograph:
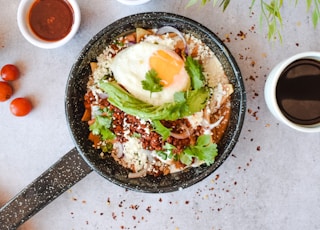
(130, 66)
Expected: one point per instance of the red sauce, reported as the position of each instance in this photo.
(51, 20)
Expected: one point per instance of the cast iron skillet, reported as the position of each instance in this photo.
(83, 159)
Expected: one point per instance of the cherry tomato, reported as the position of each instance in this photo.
(10, 72)
(6, 91)
(20, 106)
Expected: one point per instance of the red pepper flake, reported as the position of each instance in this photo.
(227, 38)
(108, 201)
(114, 216)
(187, 202)
(135, 207)
(160, 199)
(148, 209)
(134, 217)
(242, 35)
(258, 148)
(217, 177)
(252, 78)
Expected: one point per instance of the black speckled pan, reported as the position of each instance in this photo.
(81, 160)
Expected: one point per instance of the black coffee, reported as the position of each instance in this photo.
(298, 92)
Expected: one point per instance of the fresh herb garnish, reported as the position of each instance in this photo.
(152, 82)
(167, 152)
(194, 70)
(161, 129)
(102, 123)
(204, 150)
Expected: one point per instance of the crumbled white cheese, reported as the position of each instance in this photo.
(218, 94)
(196, 119)
(168, 42)
(134, 154)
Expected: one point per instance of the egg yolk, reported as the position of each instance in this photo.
(167, 66)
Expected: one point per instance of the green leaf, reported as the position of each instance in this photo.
(204, 150)
(167, 152)
(315, 17)
(101, 125)
(191, 3)
(161, 129)
(152, 82)
(309, 2)
(225, 4)
(194, 70)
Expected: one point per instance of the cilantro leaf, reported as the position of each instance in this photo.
(204, 150)
(167, 153)
(101, 125)
(152, 82)
(161, 129)
(194, 70)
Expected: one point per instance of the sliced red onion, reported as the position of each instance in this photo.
(131, 43)
(185, 134)
(118, 148)
(170, 29)
(141, 173)
(102, 95)
(213, 125)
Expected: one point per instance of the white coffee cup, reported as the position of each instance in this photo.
(271, 93)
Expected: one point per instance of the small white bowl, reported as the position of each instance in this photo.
(270, 91)
(133, 2)
(24, 27)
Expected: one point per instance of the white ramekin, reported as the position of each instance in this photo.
(22, 19)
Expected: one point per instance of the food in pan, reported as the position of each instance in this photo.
(158, 101)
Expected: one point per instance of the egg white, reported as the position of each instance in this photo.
(130, 66)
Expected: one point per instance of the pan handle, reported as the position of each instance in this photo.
(66, 172)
